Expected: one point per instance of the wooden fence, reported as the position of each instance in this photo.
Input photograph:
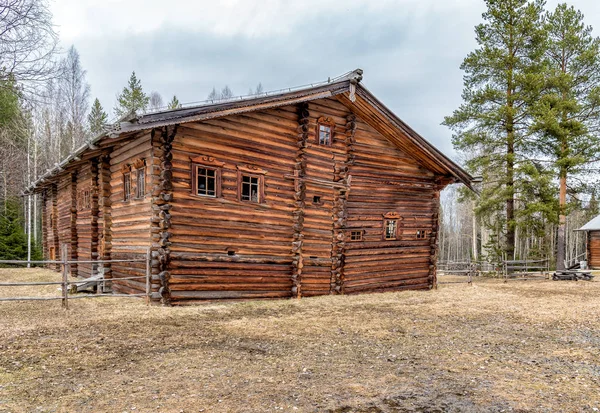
(533, 269)
(64, 283)
(467, 269)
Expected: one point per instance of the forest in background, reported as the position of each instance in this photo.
(528, 127)
(47, 111)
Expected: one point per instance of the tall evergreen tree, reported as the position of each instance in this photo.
(132, 99)
(499, 85)
(567, 117)
(174, 103)
(98, 118)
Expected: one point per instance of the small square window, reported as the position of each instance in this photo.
(250, 188)
(356, 235)
(126, 186)
(421, 234)
(316, 199)
(206, 181)
(140, 189)
(324, 134)
(390, 228)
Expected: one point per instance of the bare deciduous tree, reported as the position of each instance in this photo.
(28, 42)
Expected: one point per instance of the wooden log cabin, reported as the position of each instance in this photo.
(319, 190)
(592, 229)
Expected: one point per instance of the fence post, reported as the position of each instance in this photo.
(65, 279)
(148, 274)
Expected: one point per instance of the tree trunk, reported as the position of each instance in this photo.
(562, 219)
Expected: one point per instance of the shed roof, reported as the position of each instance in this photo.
(593, 225)
(346, 88)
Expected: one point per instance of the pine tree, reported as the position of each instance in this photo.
(568, 114)
(259, 89)
(174, 103)
(499, 85)
(98, 119)
(132, 99)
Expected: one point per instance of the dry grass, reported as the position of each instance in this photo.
(520, 346)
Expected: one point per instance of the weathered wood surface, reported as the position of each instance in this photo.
(130, 220)
(594, 249)
(294, 243)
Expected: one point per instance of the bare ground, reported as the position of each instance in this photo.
(517, 346)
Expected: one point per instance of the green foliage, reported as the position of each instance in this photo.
(10, 108)
(501, 82)
(174, 103)
(568, 113)
(13, 240)
(132, 99)
(97, 119)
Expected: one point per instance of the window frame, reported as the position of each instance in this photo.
(359, 232)
(217, 178)
(140, 193)
(127, 180)
(424, 232)
(387, 218)
(261, 187)
(328, 122)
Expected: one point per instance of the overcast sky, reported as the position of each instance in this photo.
(410, 50)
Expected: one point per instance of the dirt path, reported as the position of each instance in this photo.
(519, 346)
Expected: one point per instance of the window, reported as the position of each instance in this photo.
(126, 186)
(390, 228)
(250, 188)
(356, 235)
(325, 127)
(140, 188)
(421, 234)
(86, 199)
(206, 181)
(316, 199)
(324, 134)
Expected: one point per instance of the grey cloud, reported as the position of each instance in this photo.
(410, 64)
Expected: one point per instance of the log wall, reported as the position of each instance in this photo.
(594, 249)
(84, 218)
(130, 220)
(385, 180)
(295, 242)
(222, 247)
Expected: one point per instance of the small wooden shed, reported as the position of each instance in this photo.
(310, 191)
(592, 229)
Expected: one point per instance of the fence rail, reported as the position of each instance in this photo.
(64, 283)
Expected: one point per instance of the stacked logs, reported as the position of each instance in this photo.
(104, 204)
(162, 196)
(339, 212)
(94, 211)
(54, 223)
(45, 247)
(299, 199)
(73, 211)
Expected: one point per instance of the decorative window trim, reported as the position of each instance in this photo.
(217, 177)
(251, 169)
(395, 217)
(261, 186)
(357, 235)
(329, 122)
(207, 161)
